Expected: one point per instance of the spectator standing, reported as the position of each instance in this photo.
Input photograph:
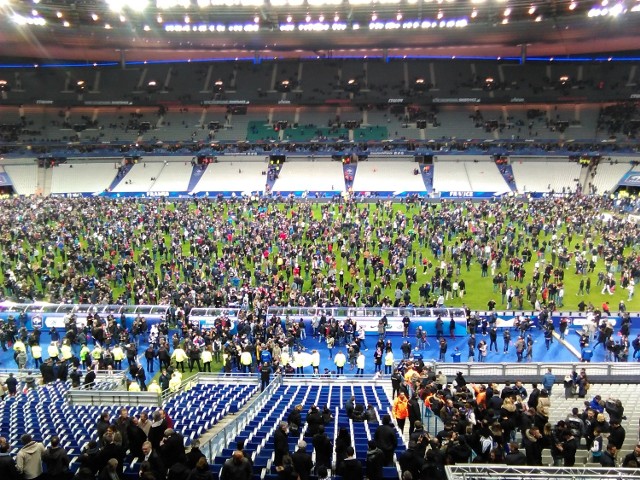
(302, 462)
(375, 461)
(56, 460)
(280, 443)
(8, 470)
(548, 380)
(401, 410)
(235, 468)
(351, 467)
(29, 458)
(386, 439)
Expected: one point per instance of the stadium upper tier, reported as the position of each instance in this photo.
(265, 126)
(306, 82)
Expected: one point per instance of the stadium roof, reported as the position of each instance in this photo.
(95, 30)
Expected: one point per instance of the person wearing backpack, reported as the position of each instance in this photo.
(598, 446)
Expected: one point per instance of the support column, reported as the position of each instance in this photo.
(523, 53)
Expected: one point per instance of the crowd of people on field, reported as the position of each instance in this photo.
(254, 253)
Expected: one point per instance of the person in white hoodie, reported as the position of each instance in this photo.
(29, 458)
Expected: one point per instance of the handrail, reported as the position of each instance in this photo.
(233, 311)
(227, 433)
(609, 370)
(112, 397)
(493, 471)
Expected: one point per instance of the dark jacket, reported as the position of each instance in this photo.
(351, 469)
(172, 450)
(533, 449)
(410, 460)
(193, 456)
(8, 469)
(516, 458)
(324, 450)
(302, 463)
(57, 461)
(607, 460)
(375, 464)
(280, 446)
(385, 437)
(233, 470)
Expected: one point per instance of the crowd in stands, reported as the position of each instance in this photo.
(149, 440)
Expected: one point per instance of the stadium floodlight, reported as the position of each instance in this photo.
(573, 5)
(360, 2)
(167, 4)
(116, 5)
(204, 3)
(616, 10)
(321, 3)
(138, 5)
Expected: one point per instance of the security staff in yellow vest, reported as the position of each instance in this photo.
(388, 363)
(18, 349)
(118, 357)
(96, 354)
(36, 353)
(53, 351)
(207, 358)
(174, 383)
(154, 387)
(85, 355)
(65, 351)
(245, 361)
(134, 386)
(180, 356)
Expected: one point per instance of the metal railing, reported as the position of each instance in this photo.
(112, 397)
(512, 371)
(504, 472)
(228, 432)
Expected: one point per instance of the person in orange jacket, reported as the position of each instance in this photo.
(401, 410)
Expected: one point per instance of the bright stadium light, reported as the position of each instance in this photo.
(138, 5)
(204, 3)
(116, 5)
(321, 3)
(616, 10)
(167, 4)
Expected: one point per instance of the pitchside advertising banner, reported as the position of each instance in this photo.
(5, 181)
(207, 318)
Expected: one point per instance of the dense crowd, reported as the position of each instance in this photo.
(149, 440)
(256, 252)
